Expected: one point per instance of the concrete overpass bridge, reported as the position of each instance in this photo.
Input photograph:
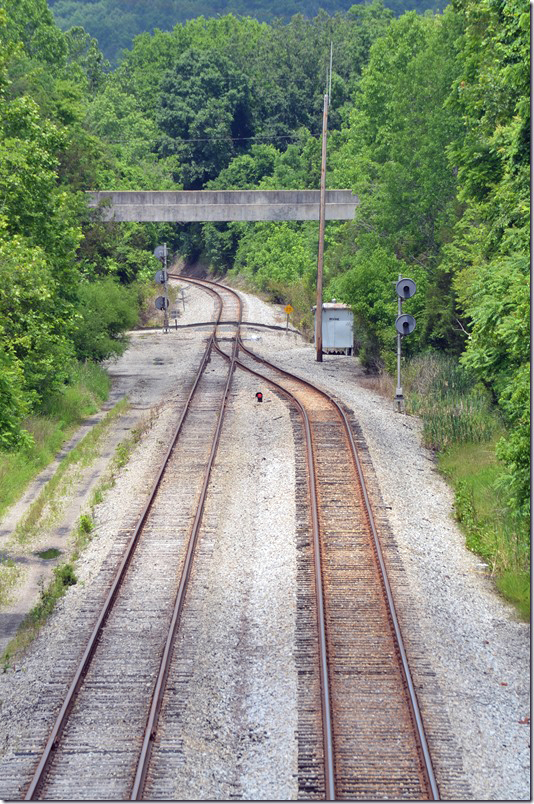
(190, 206)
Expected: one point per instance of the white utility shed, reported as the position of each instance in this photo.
(338, 321)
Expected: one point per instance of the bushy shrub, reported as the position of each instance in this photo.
(514, 449)
(14, 403)
(276, 253)
(106, 311)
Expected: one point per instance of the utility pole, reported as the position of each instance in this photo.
(322, 197)
(330, 79)
(322, 203)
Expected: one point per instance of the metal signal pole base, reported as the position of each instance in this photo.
(399, 401)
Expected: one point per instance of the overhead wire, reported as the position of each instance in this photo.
(228, 139)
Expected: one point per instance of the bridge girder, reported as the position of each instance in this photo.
(189, 206)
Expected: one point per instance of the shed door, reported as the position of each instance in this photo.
(330, 330)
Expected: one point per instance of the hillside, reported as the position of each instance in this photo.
(114, 23)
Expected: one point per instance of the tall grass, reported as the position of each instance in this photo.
(50, 427)
(460, 423)
(454, 409)
(491, 530)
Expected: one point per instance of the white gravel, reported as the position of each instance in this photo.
(470, 652)
(235, 735)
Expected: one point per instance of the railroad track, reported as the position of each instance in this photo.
(373, 741)
(360, 732)
(100, 744)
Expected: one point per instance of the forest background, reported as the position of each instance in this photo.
(429, 125)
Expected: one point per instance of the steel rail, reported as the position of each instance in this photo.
(326, 706)
(165, 663)
(405, 668)
(404, 665)
(412, 695)
(84, 663)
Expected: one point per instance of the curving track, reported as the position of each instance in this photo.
(360, 732)
(374, 745)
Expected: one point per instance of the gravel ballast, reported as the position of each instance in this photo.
(475, 653)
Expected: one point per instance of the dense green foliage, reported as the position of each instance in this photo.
(59, 295)
(437, 149)
(489, 254)
(106, 311)
(428, 123)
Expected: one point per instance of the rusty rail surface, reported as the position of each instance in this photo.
(429, 783)
(326, 705)
(40, 773)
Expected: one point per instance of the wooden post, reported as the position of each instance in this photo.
(319, 307)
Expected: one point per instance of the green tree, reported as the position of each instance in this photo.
(394, 154)
(490, 250)
(31, 23)
(205, 115)
(83, 51)
(14, 403)
(36, 322)
(106, 310)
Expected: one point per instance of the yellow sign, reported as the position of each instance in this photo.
(288, 309)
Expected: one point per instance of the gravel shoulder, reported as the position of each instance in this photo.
(476, 651)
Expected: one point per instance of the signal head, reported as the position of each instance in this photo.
(406, 288)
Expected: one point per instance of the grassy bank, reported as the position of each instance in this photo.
(491, 531)
(461, 425)
(51, 428)
(48, 503)
(82, 535)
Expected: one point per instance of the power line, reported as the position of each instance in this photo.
(224, 139)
